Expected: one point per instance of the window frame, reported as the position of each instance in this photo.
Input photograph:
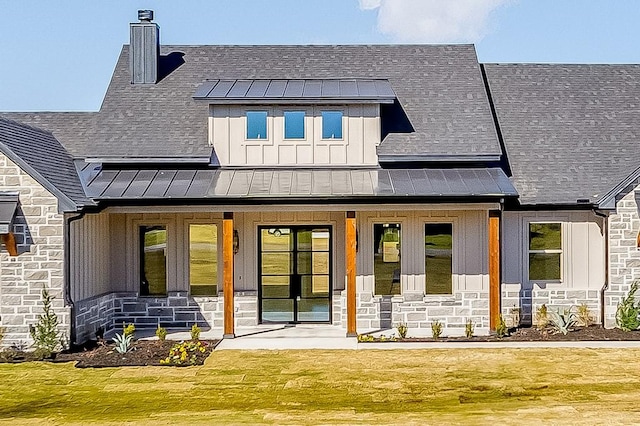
(284, 124)
(140, 256)
(560, 251)
(187, 254)
(453, 255)
(266, 124)
(342, 123)
(401, 246)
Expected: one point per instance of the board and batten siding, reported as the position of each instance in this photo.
(361, 136)
(582, 263)
(470, 248)
(89, 256)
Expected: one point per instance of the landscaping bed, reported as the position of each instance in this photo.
(524, 334)
(92, 354)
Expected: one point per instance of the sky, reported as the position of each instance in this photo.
(59, 55)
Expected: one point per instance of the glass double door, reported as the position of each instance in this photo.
(294, 274)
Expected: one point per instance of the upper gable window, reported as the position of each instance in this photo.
(294, 124)
(331, 124)
(256, 125)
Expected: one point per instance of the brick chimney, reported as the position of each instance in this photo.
(144, 49)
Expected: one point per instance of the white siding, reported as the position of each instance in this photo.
(89, 256)
(361, 136)
(582, 249)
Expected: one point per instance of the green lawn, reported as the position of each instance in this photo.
(454, 386)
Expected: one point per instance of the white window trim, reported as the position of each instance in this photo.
(170, 258)
(561, 251)
(403, 247)
(304, 123)
(269, 124)
(345, 128)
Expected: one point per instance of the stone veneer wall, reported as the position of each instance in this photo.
(419, 311)
(528, 301)
(624, 255)
(177, 310)
(38, 229)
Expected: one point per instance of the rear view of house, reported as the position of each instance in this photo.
(352, 186)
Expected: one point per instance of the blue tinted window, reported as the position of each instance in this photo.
(256, 125)
(331, 124)
(294, 124)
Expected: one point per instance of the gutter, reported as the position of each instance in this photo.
(68, 300)
(605, 286)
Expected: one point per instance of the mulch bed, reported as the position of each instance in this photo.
(92, 354)
(532, 334)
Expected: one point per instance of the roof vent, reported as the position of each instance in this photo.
(145, 15)
(144, 49)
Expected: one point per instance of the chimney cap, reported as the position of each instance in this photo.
(145, 15)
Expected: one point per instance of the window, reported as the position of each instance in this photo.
(545, 251)
(153, 260)
(331, 124)
(438, 258)
(386, 258)
(256, 124)
(203, 259)
(294, 124)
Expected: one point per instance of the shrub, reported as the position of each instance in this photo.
(468, 329)
(627, 312)
(584, 315)
(195, 332)
(365, 338)
(501, 327)
(185, 353)
(562, 322)
(161, 332)
(514, 315)
(123, 342)
(436, 329)
(542, 317)
(402, 330)
(128, 330)
(45, 334)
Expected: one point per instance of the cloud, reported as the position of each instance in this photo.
(434, 21)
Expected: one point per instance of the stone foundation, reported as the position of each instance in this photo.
(176, 310)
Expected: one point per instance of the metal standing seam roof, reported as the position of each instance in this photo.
(146, 184)
(295, 91)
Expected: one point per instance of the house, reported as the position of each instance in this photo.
(352, 186)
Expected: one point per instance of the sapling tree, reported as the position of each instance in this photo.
(45, 334)
(628, 311)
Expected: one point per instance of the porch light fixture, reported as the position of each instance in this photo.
(638, 240)
(236, 242)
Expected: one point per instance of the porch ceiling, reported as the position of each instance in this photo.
(289, 184)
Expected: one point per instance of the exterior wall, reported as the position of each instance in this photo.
(624, 255)
(38, 229)
(361, 136)
(470, 295)
(582, 264)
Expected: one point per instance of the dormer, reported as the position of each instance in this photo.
(301, 122)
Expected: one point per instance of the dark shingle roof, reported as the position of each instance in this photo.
(40, 155)
(439, 87)
(571, 131)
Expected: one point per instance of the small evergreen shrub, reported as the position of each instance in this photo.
(45, 334)
(161, 333)
(627, 312)
(402, 330)
(195, 332)
(365, 338)
(436, 329)
(469, 329)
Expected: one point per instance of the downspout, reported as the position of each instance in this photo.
(68, 300)
(605, 286)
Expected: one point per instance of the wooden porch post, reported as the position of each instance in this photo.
(9, 241)
(227, 274)
(494, 268)
(350, 242)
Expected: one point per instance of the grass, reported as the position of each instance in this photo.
(453, 386)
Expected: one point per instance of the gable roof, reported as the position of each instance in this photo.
(39, 154)
(570, 131)
(440, 89)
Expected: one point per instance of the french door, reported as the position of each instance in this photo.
(294, 267)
